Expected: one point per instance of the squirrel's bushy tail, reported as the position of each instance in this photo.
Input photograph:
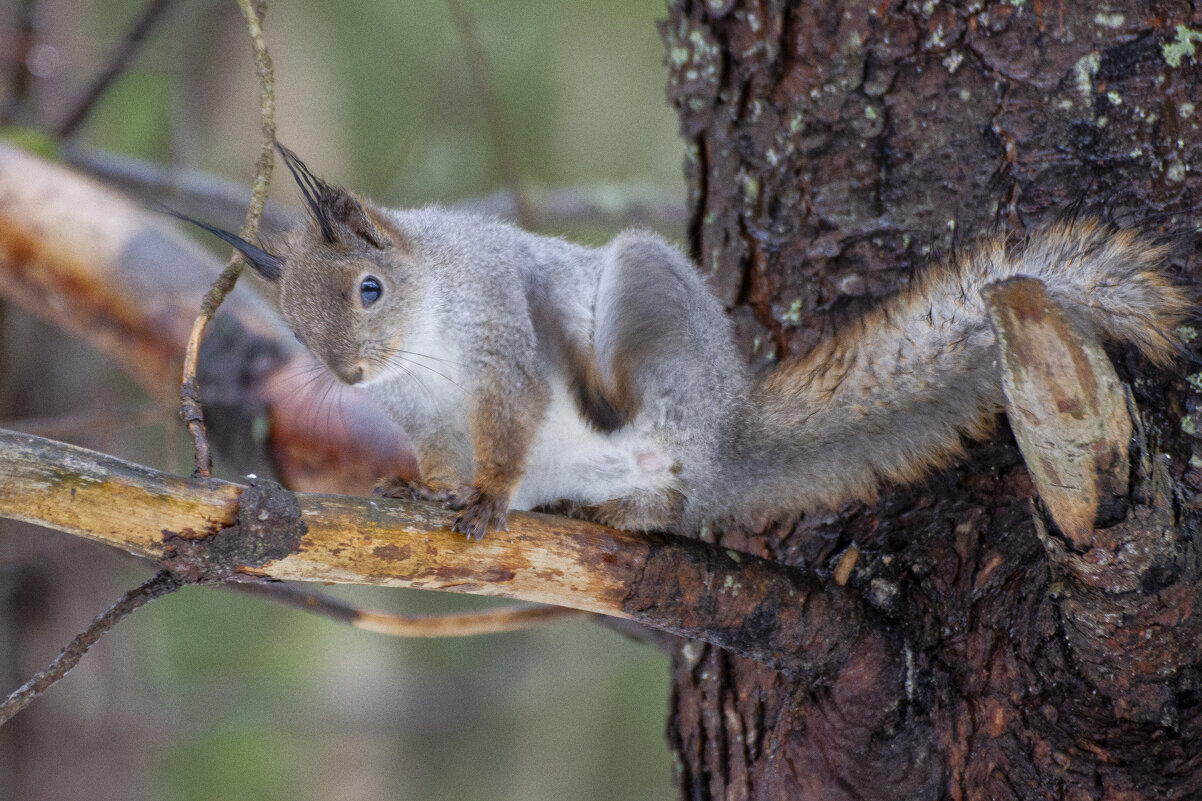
(895, 393)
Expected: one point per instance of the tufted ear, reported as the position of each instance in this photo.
(265, 264)
(339, 213)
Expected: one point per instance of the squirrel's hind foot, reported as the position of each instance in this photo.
(658, 510)
(453, 496)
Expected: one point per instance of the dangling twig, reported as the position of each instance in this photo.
(190, 408)
(162, 584)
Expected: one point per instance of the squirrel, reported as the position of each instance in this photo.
(530, 371)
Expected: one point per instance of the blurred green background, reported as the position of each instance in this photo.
(212, 695)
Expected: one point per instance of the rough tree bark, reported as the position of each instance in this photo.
(831, 144)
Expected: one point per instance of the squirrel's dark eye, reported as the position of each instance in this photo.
(370, 290)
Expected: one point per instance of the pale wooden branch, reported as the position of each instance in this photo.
(1066, 405)
(203, 529)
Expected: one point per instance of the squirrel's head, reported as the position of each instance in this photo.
(343, 278)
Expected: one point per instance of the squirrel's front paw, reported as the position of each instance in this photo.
(482, 514)
(455, 497)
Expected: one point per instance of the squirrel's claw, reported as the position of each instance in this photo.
(483, 513)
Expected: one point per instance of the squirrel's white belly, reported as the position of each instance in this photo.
(571, 460)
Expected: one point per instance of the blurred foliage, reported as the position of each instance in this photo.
(212, 695)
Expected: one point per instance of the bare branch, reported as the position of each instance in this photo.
(161, 584)
(223, 201)
(209, 197)
(204, 530)
(477, 67)
(190, 408)
(618, 205)
(117, 64)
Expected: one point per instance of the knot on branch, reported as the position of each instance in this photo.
(268, 528)
(190, 409)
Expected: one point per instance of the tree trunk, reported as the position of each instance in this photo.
(831, 146)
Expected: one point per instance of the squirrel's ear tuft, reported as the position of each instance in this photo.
(268, 265)
(339, 213)
(316, 191)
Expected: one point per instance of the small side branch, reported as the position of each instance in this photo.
(190, 408)
(780, 616)
(161, 584)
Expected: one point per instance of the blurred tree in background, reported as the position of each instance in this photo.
(211, 695)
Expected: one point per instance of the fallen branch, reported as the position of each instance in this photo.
(206, 530)
(86, 259)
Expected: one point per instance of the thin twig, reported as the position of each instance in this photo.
(507, 160)
(491, 621)
(117, 64)
(21, 79)
(162, 584)
(190, 408)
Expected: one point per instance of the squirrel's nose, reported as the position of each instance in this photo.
(350, 373)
